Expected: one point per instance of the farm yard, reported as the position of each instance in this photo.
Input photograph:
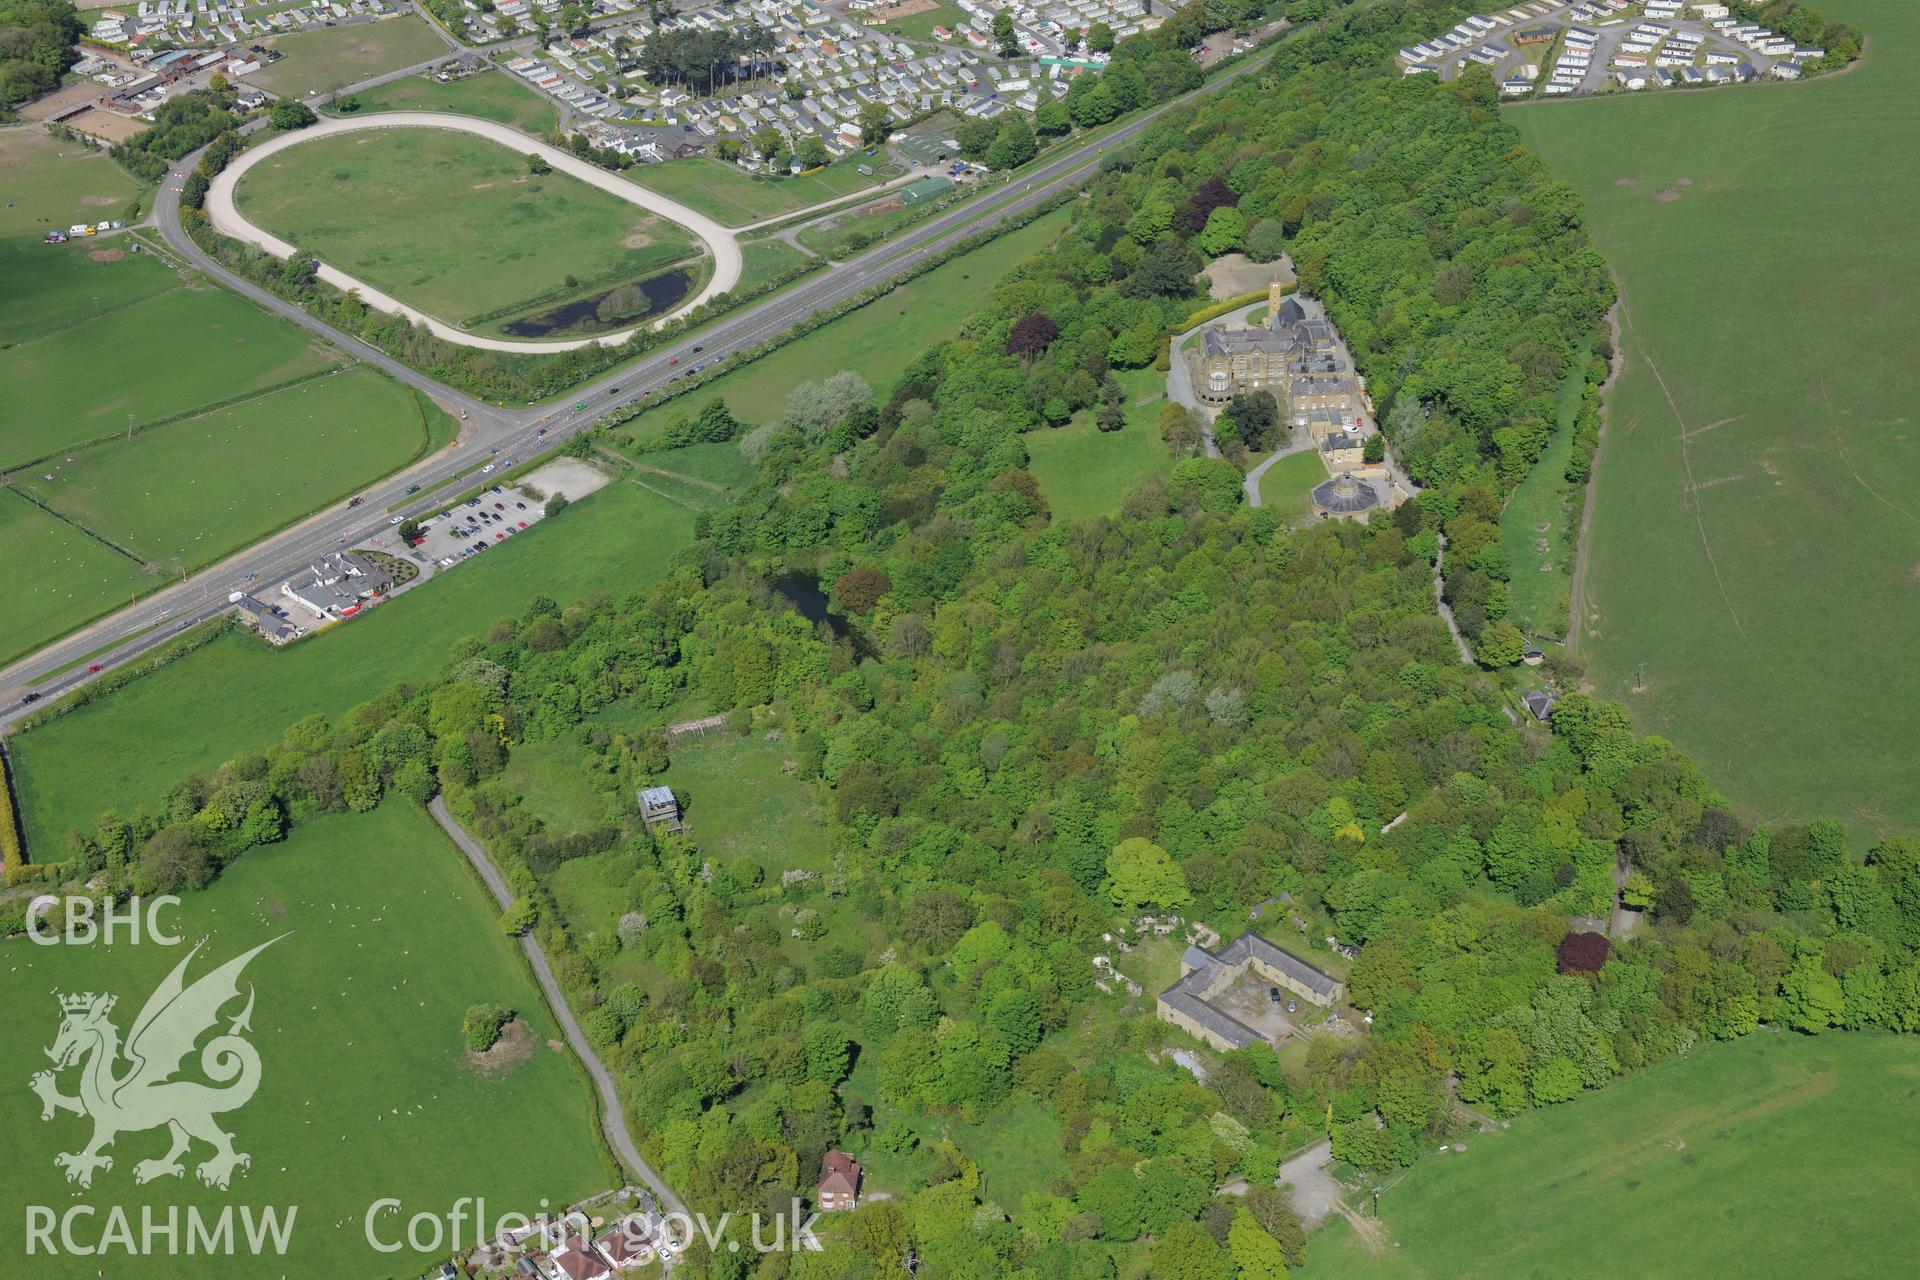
(464, 230)
(1776, 1155)
(126, 750)
(51, 184)
(385, 939)
(1756, 514)
(490, 95)
(326, 58)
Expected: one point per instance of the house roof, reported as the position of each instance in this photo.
(657, 796)
(839, 1173)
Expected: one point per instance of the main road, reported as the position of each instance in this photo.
(489, 430)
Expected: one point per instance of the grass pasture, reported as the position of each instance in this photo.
(327, 58)
(52, 184)
(50, 286)
(127, 749)
(490, 95)
(281, 455)
(872, 341)
(734, 199)
(1085, 472)
(385, 940)
(155, 358)
(58, 575)
(1773, 1156)
(1537, 524)
(1755, 539)
(463, 229)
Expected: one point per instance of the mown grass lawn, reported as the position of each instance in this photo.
(385, 940)
(327, 58)
(154, 358)
(57, 576)
(50, 286)
(490, 95)
(873, 341)
(187, 494)
(1288, 484)
(1777, 1155)
(462, 228)
(733, 198)
(236, 695)
(1756, 525)
(1084, 471)
(51, 184)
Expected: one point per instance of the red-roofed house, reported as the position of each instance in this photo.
(839, 1186)
(578, 1259)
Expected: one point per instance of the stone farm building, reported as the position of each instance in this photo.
(1205, 975)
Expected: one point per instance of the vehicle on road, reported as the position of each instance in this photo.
(30, 699)
(396, 520)
(541, 432)
(674, 361)
(356, 502)
(486, 468)
(412, 489)
(698, 350)
(463, 415)
(613, 391)
(94, 668)
(581, 407)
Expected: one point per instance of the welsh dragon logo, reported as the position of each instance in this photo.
(144, 1094)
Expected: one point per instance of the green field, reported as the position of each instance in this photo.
(463, 230)
(384, 940)
(127, 749)
(52, 184)
(1755, 544)
(1084, 471)
(325, 59)
(161, 356)
(733, 198)
(1289, 483)
(919, 26)
(58, 576)
(873, 341)
(1537, 524)
(280, 456)
(763, 259)
(53, 285)
(1777, 1155)
(490, 95)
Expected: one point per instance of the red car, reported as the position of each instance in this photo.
(95, 669)
(674, 361)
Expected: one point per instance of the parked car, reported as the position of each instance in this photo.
(521, 506)
(1273, 995)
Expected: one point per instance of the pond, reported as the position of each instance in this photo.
(809, 600)
(659, 293)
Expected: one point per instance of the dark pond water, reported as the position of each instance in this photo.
(803, 592)
(662, 292)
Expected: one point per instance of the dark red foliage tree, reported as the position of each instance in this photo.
(1031, 334)
(1208, 196)
(860, 589)
(1583, 952)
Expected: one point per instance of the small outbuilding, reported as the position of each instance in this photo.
(658, 807)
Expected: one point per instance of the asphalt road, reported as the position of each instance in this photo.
(511, 433)
(613, 1116)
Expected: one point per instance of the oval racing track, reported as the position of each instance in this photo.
(228, 221)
